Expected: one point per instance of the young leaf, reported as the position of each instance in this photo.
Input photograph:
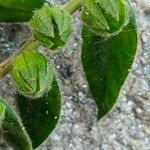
(40, 116)
(31, 72)
(105, 17)
(18, 10)
(12, 129)
(106, 62)
(52, 27)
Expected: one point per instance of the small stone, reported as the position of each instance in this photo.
(144, 38)
(55, 136)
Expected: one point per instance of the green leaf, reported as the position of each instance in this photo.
(41, 115)
(12, 129)
(31, 72)
(52, 27)
(111, 7)
(106, 17)
(18, 10)
(106, 62)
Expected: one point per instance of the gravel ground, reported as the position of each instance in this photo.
(126, 127)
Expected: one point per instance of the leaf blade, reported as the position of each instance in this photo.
(18, 10)
(106, 62)
(12, 129)
(41, 115)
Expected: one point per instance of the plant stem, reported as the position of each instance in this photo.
(7, 65)
(73, 6)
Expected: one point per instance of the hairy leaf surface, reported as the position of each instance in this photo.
(106, 17)
(40, 116)
(106, 62)
(18, 10)
(31, 72)
(12, 129)
(52, 27)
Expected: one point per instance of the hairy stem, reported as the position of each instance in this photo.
(73, 6)
(6, 66)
